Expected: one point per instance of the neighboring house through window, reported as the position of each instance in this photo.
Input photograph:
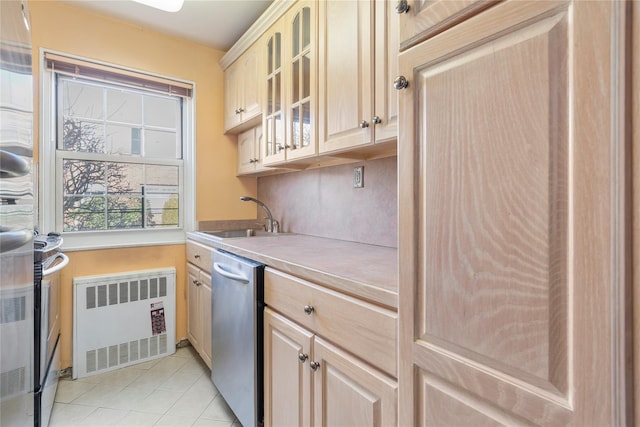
(122, 144)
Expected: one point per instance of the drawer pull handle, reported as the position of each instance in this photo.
(302, 357)
(308, 309)
(196, 256)
(314, 365)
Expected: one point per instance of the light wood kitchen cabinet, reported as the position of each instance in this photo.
(274, 112)
(287, 376)
(199, 299)
(303, 371)
(513, 205)
(250, 145)
(243, 92)
(366, 330)
(421, 19)
(290, 117)
(358, 45)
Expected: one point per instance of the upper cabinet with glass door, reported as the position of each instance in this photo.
(295, 81)
(301, 95)
(358, 44)
(243, 92)
(273, 108)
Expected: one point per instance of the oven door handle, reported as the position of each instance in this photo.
(225, 272)
(57, 267)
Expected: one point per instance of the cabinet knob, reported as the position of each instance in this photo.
(197, 282)
(302, 357)
(400, 82)
(196, 256)
(239, 110)
(280, 147)
(252, 160)
(314, 365)
(364, 124)
(256, 160)
(376, 120)
(308, 309)
(402, 7)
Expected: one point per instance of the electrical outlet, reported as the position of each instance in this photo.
(358, 177)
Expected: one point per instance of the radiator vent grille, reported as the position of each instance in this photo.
(13, 382)
(16, 325)
(116, 320)
(13, 309)
(124, 292)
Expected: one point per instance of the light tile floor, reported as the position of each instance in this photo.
(173, 391)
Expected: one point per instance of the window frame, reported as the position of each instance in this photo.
(49, 173)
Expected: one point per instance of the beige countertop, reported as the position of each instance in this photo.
(364, 271)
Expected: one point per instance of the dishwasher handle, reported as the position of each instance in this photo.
(226, 272)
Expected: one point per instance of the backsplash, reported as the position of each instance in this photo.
(322, 202)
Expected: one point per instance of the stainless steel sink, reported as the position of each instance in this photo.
(245, 232)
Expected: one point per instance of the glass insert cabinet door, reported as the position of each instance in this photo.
(300, 79)
(274, 113)
(289, 114)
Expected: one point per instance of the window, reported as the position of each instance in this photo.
(121, 148)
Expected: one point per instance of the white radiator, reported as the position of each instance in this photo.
(124, 319)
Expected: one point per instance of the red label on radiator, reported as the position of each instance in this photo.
(158, 325)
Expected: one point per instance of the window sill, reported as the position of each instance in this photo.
(86, 241)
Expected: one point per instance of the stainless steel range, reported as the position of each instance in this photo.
(48, 261)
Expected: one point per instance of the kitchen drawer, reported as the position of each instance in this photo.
(367, 331)
(199, 255)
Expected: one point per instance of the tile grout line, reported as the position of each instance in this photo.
(70, 412)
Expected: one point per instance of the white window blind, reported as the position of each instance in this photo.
(104, 73)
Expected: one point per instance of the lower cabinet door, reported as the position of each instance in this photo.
(194, 327)
(204, 301)
(287, 387)
(348, 392)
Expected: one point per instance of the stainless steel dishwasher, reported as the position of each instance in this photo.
(237, 306)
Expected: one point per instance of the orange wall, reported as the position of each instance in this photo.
(68, 29)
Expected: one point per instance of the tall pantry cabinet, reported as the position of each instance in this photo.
(515, 232)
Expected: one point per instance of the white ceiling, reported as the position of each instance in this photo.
(215, 23)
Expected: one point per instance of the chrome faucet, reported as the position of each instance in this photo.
(272, 225)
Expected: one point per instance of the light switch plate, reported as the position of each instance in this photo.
(358, 177)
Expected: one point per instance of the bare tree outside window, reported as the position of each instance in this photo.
(94, 190)
(112, 195)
